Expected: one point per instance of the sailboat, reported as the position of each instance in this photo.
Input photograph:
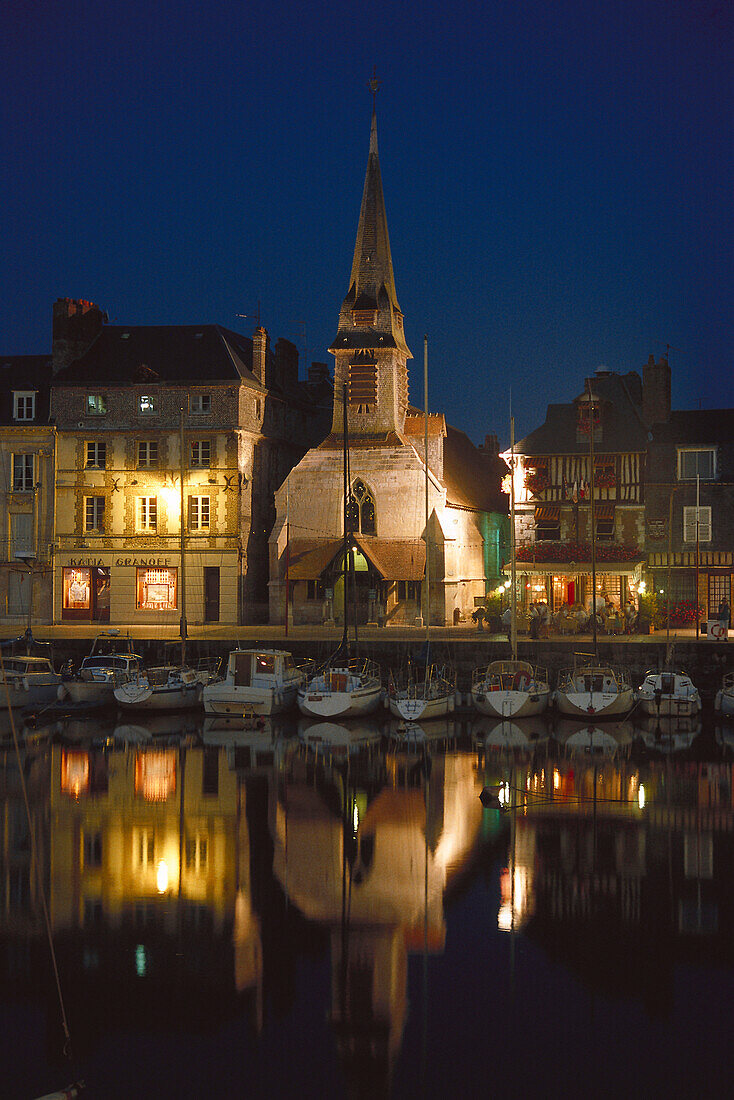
(345, 686)
(590, 687)
(171, 686)
(424, 690)
(514, 688)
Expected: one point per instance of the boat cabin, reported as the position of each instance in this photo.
(260, 667)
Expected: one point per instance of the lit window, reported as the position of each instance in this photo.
(147, 514)
(96, 404)
(198, 513)
(697, 462)
(24, 404)
(94, 513)
(147, 404)
(200, 454)
(95, 455)
(200, 404)
(147, 454)
(22, 473)
(77, 587)
(156, 589)
(704, 524)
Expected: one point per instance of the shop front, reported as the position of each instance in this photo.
(566, 586)
(117, 589)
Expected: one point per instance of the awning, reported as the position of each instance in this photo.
(308, 558)
(548, 512)
(576, 569)
(395, 559)
(604, 510)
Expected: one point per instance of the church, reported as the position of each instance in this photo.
(390, 484)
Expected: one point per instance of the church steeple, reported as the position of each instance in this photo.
(370, 347)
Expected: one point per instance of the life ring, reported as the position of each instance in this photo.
(521, 681)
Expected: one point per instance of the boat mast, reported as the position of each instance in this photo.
(425, 455)
(345, 568)
(513, 563)
(591, 514)
(183, 630)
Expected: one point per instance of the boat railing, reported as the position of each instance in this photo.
(207, 669)
(509, 676)
(599, 679)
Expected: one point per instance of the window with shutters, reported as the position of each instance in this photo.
(147, 514)
(94, 513)
(704, 524)
(147, 454)
(200, 454)
(95, 455)
(198, 513)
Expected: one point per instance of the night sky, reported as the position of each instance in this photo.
(558, 180)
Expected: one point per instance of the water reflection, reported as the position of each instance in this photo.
(216, 851)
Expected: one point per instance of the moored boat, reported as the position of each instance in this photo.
(670, 693)
(28, 682)
(345, 688)
(110, 662)
(425, 692)
(168, 687)
(603, 691)
(510, 689)
(260, 681)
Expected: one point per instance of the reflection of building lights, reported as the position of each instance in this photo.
(75, 773)
(556, 779)
(161, 877)
(141, 963)
(355, 817)
(155, 775)
(641, 796)
(503, 795)
(512, 911)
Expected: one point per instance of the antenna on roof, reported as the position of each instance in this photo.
(252, 316)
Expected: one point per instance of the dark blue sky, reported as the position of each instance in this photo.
(558, 180)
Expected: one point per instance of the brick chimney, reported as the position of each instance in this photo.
(491, 445)
(76, 325)
(286, 362)
(656, 391)
(260, 352)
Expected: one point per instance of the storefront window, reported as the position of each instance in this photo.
(157, 589)
(77, 590)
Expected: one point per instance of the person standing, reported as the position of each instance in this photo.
(724, 613)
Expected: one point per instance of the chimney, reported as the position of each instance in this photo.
(318, 374)
(491, 445)
(260, 350)
(656, 391)
(286, 362)
(76, 325)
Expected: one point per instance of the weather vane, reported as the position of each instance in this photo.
(374, 85)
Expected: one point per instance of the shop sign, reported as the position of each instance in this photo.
(150, 563)
(656, 528)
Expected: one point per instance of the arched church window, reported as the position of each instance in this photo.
(361, 509)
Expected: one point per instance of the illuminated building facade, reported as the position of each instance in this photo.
(386, 513)
(599, 438)
(27, 443)
(159, 422)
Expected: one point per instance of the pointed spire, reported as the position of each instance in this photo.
(370, 316)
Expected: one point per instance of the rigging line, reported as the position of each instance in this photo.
(36, 867)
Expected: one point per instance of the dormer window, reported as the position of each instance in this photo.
(24, 404)
(588, 414)
(147, 404)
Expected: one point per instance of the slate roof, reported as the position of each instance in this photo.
(25, 372)
(623, 428)
(704, 426)
(128, 354)
(472, 478)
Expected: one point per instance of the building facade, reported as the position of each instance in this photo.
(387, 471)
(160, 423)
(598, 439)
(27, 446)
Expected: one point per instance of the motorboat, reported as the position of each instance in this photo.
(510, 689)
(343, 689)
(168, 687)
(603, 691)
(724, 701)
(259, 681)
(109, 663)
(670, 693)
(28, 682)
(425, 692)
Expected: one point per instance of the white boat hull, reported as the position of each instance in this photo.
(341, 704)
(225, 700)
(35, 695)
(414, 709)
(599, 704)
(724, 702)
(510, 704)
(90, 692)
(134, 696)
(670, 706)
